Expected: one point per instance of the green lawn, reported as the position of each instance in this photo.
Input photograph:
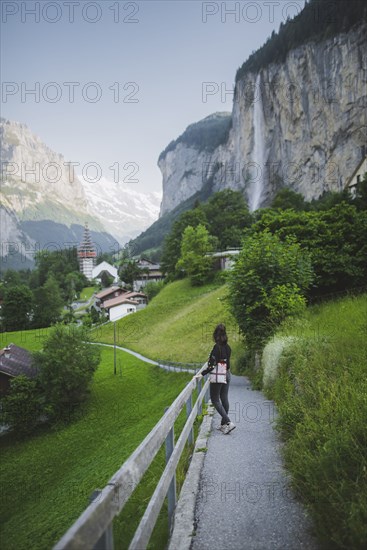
(29, 339)
(87, 293)
(47, 480)
(177, 325)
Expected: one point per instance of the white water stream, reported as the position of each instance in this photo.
(259, 153)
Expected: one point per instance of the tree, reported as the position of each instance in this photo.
(74, 283)
(106, 279)
(228, 215)
(22, 407)
(267, 283)
(16, 310)
(335, 238)
(194, 260)
(288, 199)
(130, 271)
(172, 244)
(48, 304)
(66, 367)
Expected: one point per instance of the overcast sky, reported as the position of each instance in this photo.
(114, 82)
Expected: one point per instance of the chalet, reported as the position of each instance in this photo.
(108, 294)
(14, 361)
(123, 305)
(152, 273)
(105, 267)
(357, 175)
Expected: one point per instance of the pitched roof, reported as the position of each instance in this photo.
(15, 360)
(132, 294)
(118, 301)
(107, 291)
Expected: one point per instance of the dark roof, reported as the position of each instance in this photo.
(15, 361)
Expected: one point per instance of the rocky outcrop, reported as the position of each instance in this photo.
(190, 162)
(299, 124)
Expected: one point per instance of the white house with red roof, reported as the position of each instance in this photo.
(124, 304)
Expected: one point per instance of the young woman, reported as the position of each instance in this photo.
(221, 352)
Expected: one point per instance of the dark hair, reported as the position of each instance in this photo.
(220, 335)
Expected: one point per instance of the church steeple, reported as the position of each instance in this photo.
(87, 254)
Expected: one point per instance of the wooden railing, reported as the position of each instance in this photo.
(94, 528)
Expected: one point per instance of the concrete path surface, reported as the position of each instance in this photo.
(244, 501)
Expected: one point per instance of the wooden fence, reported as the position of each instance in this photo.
(94, 528)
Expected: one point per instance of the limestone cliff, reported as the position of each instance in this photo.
(299, 123)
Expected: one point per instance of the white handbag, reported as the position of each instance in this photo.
(219, 374)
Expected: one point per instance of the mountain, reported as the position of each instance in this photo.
(44, 204)
(187, 163)
(124, 212)
(298, 119)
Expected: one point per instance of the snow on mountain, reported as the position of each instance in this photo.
(123, 211)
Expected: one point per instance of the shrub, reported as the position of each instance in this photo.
(22, 406)
(66, 366)
(267, 285)
(153, 288)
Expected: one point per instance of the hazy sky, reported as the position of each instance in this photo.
(114, 82)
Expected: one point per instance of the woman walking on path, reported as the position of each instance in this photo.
(220, 353)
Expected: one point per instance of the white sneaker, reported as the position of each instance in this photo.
(228, 428)
(221, 427)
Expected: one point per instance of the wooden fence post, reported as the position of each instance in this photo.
(188, 411)
(171, 494)
(106, 540)
(200, 408)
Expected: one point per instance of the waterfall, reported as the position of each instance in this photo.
(258, 153)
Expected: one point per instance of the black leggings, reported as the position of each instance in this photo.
(219, 398)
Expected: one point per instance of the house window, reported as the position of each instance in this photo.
(358, 178)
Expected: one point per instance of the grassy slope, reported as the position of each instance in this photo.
(321, 393)
(47, 480)
(177, 325)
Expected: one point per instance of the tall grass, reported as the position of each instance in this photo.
(321, 393)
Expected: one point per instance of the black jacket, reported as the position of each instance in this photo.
(218, 352)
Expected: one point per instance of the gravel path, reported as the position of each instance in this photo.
(244, 500)
(146, 360)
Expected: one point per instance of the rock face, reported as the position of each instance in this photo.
(37, 183)
(190, 162)
(300, 124)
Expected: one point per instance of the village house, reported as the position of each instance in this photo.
(357, 176)
(124, 304)
(108, 294)
(225, 260)
(152, 273)
(14, 361)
